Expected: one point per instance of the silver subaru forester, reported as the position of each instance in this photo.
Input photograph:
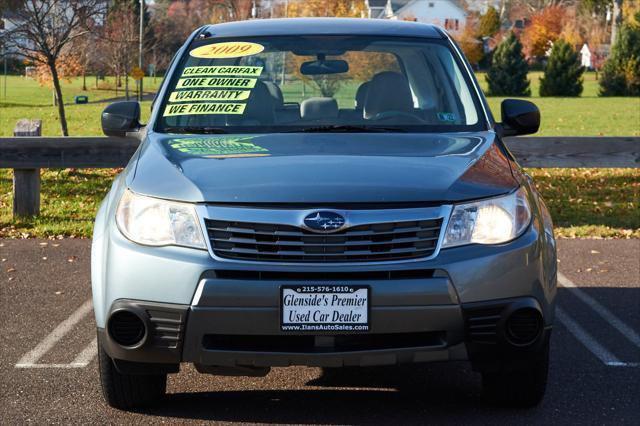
(321, 192)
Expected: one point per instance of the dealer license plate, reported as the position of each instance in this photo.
(324, 308)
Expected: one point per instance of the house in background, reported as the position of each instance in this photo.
(481, 6)
(585, 57)
(9, 21)
(376, 9)
(449, 14)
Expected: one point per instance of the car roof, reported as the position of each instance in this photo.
(323, 26)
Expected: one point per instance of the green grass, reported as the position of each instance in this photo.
(68, 203)
(584, 202)
(588, 115)
(25, 98)
(592, 202)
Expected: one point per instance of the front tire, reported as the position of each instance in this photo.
(128, 391)
(522, 387)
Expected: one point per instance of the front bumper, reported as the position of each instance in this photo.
(225, 314)
(246, 338)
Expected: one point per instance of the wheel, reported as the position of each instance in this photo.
(127, 391)
(522, 387)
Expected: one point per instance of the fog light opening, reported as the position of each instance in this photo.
(126, 328)
(524, 326)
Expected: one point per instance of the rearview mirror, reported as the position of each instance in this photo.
(519, 117)
(121, 118)
(324, 66)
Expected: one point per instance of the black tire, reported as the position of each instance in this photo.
(128, 391)
(522, 387)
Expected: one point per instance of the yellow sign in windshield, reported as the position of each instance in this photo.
(209, 95)
(208, 82)
(230, 49)
(221, 70)
(204, 108)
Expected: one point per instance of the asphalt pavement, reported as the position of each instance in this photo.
(48, 368)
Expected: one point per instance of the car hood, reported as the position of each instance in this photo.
(322, 168)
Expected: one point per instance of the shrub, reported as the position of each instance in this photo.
(621, 72)
(563, 72)
(507, 75)
(489, 23)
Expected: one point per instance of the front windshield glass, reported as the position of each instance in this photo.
(319, 83)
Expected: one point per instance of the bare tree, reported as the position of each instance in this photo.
(44, 28)
(119, 42)
(237, 10)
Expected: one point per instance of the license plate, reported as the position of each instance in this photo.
(324, 308)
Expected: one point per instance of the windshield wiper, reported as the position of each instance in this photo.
(336, 128)
(195, 129)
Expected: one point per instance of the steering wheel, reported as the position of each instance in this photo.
(385, 115)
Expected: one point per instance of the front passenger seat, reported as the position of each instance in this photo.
(260, 109)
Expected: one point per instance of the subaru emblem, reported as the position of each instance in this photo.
(324, 221)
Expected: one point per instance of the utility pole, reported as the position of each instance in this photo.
(286, 15)
(616, 20)
(140, 50)
(5, 75)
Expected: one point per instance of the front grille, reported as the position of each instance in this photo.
(275, 242)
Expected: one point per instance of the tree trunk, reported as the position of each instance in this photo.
(616, 20)
(84, 81)
(60, 101)
(126, 87)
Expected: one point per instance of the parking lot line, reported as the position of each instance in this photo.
(605, 313)
(30, 359)
(587, 339)
(84, 358)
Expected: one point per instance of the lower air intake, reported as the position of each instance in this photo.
(126, 328)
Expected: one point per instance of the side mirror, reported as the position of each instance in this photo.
(121, 118)
(519, 117)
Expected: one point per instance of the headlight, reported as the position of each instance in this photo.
(492, 221)
(155, 222)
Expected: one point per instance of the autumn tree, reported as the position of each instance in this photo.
(44, 29)
(327, 84)
(335, 8)
(546, 27)
(173, 21)
(69, 66)
(364, 65)
(236, 10)
(507, 75)
(470, 42)
(563, 72)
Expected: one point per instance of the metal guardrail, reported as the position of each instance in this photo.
(28, 152)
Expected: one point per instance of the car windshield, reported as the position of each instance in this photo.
(319, 84)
